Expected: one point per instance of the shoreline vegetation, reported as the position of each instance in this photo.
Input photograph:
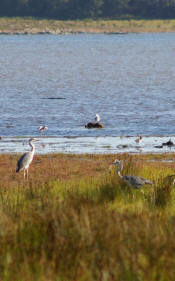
(75, 220)
(19, 26)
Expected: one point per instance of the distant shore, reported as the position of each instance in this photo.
(22, 26)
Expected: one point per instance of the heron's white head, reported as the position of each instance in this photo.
(31, 143)
(117, 162)
(97, 118)
(33, 140)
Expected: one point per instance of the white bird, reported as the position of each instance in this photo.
(95, 124)
(43, 128)
(97, 118)
(139, 140)
(26, 159)
(132, 181)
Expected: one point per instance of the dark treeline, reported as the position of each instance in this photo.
(80, 9)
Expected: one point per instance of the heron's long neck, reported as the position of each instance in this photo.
(119, 174)
(97, 118)
(119, 170)
(32, 146)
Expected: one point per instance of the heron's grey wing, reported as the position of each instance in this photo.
(136, 181)
(133, 181)
(24, 161)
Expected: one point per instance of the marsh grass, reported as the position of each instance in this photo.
(19, 25)
(71, 221)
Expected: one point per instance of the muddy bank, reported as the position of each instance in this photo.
(89, 145)
(24, 26)
(58, 32)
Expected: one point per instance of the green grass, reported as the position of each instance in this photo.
(88, 227)
(21, 25)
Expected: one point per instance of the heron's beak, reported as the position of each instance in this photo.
(34, 140)
(115, 163)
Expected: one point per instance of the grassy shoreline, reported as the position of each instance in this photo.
(44, 26)
(75, 220)
(73, 166)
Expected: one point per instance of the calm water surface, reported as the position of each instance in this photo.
(128, 79)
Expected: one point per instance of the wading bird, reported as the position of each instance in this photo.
(139, 140)
(26, 159)
(95, 124)
(132, 181)
(43, 128)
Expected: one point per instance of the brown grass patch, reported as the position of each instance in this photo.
(65, 167)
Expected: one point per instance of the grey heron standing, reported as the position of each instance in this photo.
(26, 159)
(132, 181)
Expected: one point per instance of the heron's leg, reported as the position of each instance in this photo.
(27, 174)
(24, 174)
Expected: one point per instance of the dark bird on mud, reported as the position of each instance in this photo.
(132, 181)
(26, 159)
(95, 124)
(168, 143)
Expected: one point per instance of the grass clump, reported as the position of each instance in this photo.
(83, 223)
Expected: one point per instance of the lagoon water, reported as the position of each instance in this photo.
(62, 81)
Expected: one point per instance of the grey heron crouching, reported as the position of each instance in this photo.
(132, 181)
(26, 159)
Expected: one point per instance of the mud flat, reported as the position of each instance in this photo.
(97, 145)
(19, 26)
